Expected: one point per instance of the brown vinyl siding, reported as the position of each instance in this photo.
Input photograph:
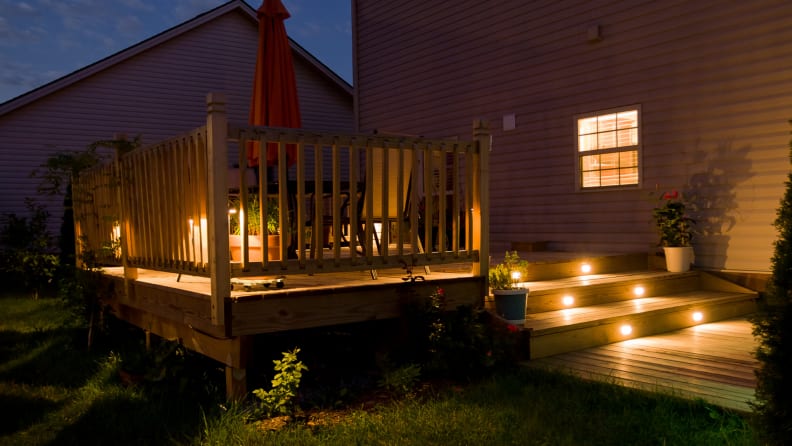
(711, 77)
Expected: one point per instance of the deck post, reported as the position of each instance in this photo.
(236, 374)
(217, 218)
(130, 273)
(481, 135)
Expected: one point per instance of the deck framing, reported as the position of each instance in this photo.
(178, 307)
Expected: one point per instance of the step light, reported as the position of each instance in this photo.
(585, 268)
(639, 291)
(568, 301)
(698, 316)
(626, 329)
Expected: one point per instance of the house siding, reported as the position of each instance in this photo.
(711, 78)
(158, 93)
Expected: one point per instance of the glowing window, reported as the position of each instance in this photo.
(608, 145)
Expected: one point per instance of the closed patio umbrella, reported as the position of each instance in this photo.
(274, 101)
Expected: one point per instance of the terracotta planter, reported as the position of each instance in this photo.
(678, 258)
(254, 248)
(510, 304)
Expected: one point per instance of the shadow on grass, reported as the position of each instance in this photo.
(27, 410)
(44, 358)
(123, 420)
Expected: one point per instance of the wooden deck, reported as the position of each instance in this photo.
(712, 361)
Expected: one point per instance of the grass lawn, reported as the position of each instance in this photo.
(53, 391)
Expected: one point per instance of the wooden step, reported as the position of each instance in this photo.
(566, 330)
(549, 265)
(550, 295)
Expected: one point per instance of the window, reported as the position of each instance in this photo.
(608, 144)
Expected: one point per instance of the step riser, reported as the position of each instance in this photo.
(538, 271)
(551, 300)
(644, 324)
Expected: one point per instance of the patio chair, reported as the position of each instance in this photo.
(395, 210)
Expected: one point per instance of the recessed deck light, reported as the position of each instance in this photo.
(585, 268)
(639, 291)
(568, 301)
(626, 329)
(698, 316)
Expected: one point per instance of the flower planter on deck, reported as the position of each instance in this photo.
(254, 250)
(510, 304)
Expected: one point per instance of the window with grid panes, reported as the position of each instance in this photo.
(608, 144)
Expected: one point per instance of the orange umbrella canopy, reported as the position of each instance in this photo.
(274, 102)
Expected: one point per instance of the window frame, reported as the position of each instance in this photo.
(580, 154)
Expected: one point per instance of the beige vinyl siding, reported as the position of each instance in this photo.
(712, 79)
(157, 93)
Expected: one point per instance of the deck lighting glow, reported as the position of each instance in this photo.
(568, 301)
(639, 291)
(585, 268)
(626, 329)
(698, 316)
(232, 211)
(515, 277)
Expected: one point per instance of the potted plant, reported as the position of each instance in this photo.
(254, 229)
(675, 228)
(509, 296)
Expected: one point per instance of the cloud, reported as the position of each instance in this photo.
(187, 9)
(138, 5)
(344, 28)
(129, 25)
(25, 76)
(11, 35)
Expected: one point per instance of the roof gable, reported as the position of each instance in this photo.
(141, 47)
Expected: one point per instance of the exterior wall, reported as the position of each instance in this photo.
(711, 77)
(158, 93)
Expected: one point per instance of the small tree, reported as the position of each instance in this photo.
(56, 176)
(28, 251)
(773, 328)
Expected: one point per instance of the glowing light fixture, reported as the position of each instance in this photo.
(585, 268)
(639, 291)
(515, 277)
(698, 316)
(568, 301)
(626, 329)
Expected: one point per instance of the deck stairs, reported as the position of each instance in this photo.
(622, 297)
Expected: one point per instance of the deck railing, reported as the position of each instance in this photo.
(348, 202)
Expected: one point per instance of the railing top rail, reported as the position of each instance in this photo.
(149, 147)
(308, 136)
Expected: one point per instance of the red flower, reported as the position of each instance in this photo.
(512, 328)
(440, 292)
(671, 195)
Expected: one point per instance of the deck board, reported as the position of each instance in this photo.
(712, 361)
(295, 283)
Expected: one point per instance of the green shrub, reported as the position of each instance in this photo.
(461, 344)
(773, 327)
(280, 399)
(28, 254)
(401, 381)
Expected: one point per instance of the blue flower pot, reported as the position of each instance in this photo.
(510, 304)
